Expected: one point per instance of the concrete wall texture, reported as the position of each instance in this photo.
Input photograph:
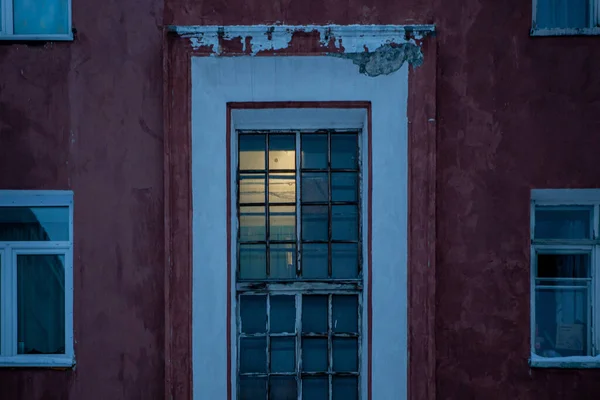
(514, 113)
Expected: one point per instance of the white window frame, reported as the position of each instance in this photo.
(7, 26)
(593, 27)
(567, 198)
(8, 295)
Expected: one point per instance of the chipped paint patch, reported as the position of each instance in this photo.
(385, 59)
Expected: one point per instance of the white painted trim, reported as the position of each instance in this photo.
(38, 360)
(536, 361)
(565, 196)
(33, 198)
(218, 80)
(299, 118)
(35, 37)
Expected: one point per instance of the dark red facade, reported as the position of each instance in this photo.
(513, 113)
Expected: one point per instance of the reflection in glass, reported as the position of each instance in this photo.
(314, 314)
(344, 151)
(314, 260)
(282, 152)
(40, 18)
(345, 354)
(282, 223)
(252, 224)
(20, 224)
(344, 260)
(253, 355)
(253, 312)
(314, 354)
(282, 188)
(283, 388)
(252, 188)
(252, 388)
(345, 314)
(315, 223)
(252, 152)
(344, 222)
(253, 261)
(345, 388)
(315, 187)
(557, 223)
(315, 388)
(314, 151)
(41, 304)
(283, 354)
(344, 186)
(283, 314)
(283, 261)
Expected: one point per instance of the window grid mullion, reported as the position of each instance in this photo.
(298, 206)
(12, 305)
(7, 27)
(298, 347)
(330, 345)
(5, 300)
(267, 209)
(268, 348)
(329, 215)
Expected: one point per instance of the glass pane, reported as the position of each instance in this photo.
(282, 188)
(561, 322)
(563, 265)
(344, 151)
(314, 151)
(315, 222)
(345, 314)
(253, 355)
(282, 152)
(34, 223)
(283, 314)
(345, 388)
(315, 187)
(344, 186)
(555, 223)
(282, 223)
(283, 388)
(253, 388)
(314, 354)
(344, 222)
(41, 304)
(253, 261)
(314, 261)
(283, 261)
(344, 260)
(253, 312)
(315, 388)
(283, 354)
(252, 224)
(252, 188)
(252, 152)
(41, 17)
(345, 354)
(562, 13)
(314, 314)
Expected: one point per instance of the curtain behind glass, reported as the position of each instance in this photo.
(562, 13)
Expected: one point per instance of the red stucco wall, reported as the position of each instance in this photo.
(514, 113)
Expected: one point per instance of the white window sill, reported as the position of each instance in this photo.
(38, 361)
(578, 362)
(37, 38)
(565, 31)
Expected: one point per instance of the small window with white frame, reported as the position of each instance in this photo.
(565, 261)
(35, 20)
(36, 278)
(566, 17)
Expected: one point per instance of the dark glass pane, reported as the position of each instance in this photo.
(252, 188)
(45, 17)
(252, 224)
(41, 304)
(563, 265)
(345, 354)
(282, 152)
(315, 223)
(345, 314)
(253, 355)
(252, 152)
(315, 187)
(315, 388)
(314, 314)
(283, 388)
(561, 322)
(344, 222)
(344, 151)
(282, 188)
(314, 354)
(253, 311)
(19, 224)
(283, 354)
(345, 388)
(314, 151)
(283, 261)
(283, 314)
(344, 260)
(562, 14)
(282, 223)
(556, 223)
(253, 261)
(314, 261)
(344, 186)
(253, 388)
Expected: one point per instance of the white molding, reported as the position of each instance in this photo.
(564, 362)
(565, 31)
(33, 198)
(299, 118)
(38, 360)
(565, 196)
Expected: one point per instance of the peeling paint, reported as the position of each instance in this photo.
(385, 59)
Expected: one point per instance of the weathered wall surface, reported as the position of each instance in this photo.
(86, 116)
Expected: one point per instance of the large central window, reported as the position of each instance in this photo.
(299, 264)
